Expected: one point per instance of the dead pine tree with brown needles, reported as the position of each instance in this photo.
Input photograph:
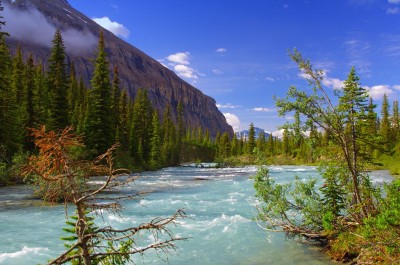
(59, 174)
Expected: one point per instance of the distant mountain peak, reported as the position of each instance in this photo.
(245, 133)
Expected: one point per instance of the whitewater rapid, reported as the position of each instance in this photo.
(219, 201)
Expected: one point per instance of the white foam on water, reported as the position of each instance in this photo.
(225, 220)
(231, 200)
(275, 168)
(96, 182)
(25, 251)
(298, 169)
(118, 218)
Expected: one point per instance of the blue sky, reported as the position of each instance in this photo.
(236, 51)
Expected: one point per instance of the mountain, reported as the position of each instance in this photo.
(245, 133)
(32, 23)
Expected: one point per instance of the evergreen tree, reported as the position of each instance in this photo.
(224, 145)
(115, 98)
(180, 130)
(81, 106)
(73, 97)
(352, 108)
(123, 131)
(313, 143)
(217, 141)
(270, 145)
(141, 128)
(41, 96)
(58, 84)
(344, 122)
(235, 146)
(298, 136)
(241, 145)
(395, 121)
(261, 142)
(17, 131)
(251, 141)
(7, 117)
(285, 142)
(29, 117)
(169, 152)
(155, 143)
(99, 131)
(385, 128)
(372, 118)
(18, 76)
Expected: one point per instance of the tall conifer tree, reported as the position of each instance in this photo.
(169, 136)
(123, 132)
(18, 76)
(115, 100)
(41, 96)
(270, 145)
(82, 106)
(181, 123)
(29, 117)
(141, 127)
(260, 142)
(73, 97)
(251, 142)
(385, 128)
(58, 84)
(99, 131)
(395, 121)
(155, 143)
(7, 117)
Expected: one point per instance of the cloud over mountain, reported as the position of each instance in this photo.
(113, 26)
(31, 25)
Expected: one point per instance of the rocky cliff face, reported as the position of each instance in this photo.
(32, 24)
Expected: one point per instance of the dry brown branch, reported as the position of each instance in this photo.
(60, 175)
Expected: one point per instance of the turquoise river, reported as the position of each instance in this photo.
(221, 227)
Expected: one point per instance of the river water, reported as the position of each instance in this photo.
(220, 203)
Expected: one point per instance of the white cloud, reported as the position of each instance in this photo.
(221, 50)
(179, 58)
(377, 92)
(31, 25)
(262, 109)
(270, 79)
(396, 87)
(227, 106)
(217, 72)
(232, 120)
(333, 82)
(185, 71)
(113, 26)
(394, 1)
(179, 62)
(278, 133)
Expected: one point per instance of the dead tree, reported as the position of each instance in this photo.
(55, 166)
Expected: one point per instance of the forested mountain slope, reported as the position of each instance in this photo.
(33, 23)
